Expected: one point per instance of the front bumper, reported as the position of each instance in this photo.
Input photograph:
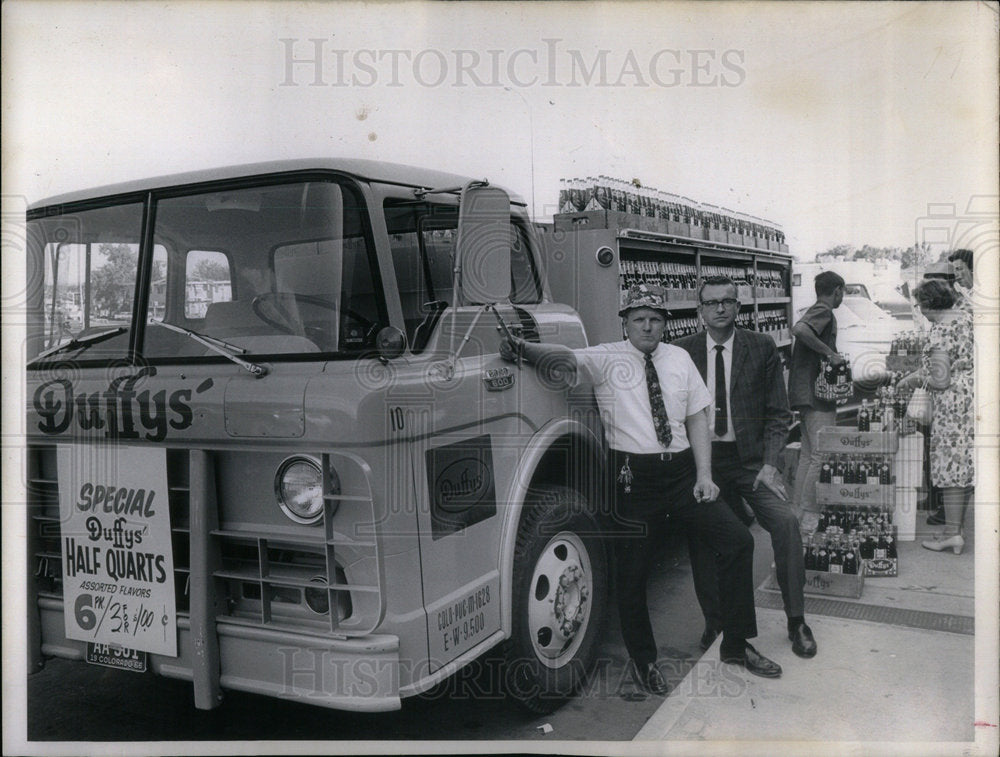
(358, 674)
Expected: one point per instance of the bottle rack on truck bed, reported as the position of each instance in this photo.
(593, 256)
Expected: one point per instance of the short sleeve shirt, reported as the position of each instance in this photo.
(806, 362)
(618, 372)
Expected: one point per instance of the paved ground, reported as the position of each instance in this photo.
(906, 681)
(870, 678)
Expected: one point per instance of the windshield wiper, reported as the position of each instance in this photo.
(79, 342)
(217, 345)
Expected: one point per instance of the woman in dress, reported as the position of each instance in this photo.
(947, 372)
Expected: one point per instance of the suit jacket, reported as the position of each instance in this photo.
(757, 395)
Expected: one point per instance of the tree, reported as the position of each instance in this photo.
(210, 270)
(917, 256)
(844, 251)
(113, 284)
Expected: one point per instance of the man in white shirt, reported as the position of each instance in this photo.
(653, 406)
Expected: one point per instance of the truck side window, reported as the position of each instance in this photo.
(207, 279)
(524, 283)
(422, 239)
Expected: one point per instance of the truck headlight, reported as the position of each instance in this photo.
(298, 486)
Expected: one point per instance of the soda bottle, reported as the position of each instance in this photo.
(826, 473)
(884, 473)
(864, 417)
(564, 203)
(868, 544)
(872, 474)
(876, 417)
(602, 195)
(823, 558)
(881, 545)
(851, 559)
(828, 375)
(836, 558)
(810, 553)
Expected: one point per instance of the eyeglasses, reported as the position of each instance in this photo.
(728, 302)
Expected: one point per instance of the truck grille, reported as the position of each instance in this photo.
(254, 576)
(284, 580)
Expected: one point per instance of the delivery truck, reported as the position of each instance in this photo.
(276, 450)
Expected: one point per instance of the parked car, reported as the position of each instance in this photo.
(864, 334)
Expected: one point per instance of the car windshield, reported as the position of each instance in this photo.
(865, 310)
(276, 269)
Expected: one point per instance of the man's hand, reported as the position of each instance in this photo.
(836, 358)
(512, 349)
(705, 490)
(770, 477)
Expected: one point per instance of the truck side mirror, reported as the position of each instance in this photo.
(483, 245)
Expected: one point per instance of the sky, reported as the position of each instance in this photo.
(843, 122)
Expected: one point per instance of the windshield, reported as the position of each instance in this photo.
(865, 310)
(82, 270)
(279, 269)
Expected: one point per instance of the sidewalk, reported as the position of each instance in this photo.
(886, 671)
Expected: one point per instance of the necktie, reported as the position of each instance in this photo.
(660, 421)
(721, 414)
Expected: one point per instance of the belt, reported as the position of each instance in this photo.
(663, 457)
(724, 445)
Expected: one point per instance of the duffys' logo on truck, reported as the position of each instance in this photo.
(120, 411)
(462, 484)
(462, 488)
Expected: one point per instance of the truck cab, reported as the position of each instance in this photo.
(283, 382)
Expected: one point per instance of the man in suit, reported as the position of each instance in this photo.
(748, 422)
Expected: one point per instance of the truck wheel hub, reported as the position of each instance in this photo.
(558, 602)
(571, 598)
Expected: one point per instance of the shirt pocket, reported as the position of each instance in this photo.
(677, 404)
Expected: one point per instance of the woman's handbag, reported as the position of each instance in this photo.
(920, 407)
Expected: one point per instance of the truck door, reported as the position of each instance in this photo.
(466, 428)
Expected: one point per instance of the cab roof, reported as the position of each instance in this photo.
(366, 170)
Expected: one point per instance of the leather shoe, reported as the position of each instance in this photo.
(753, 661)
(803, 643)
(707, 638)
(650, 679)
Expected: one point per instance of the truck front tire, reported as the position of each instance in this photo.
(560, 593)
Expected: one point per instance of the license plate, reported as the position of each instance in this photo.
(116, 657)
